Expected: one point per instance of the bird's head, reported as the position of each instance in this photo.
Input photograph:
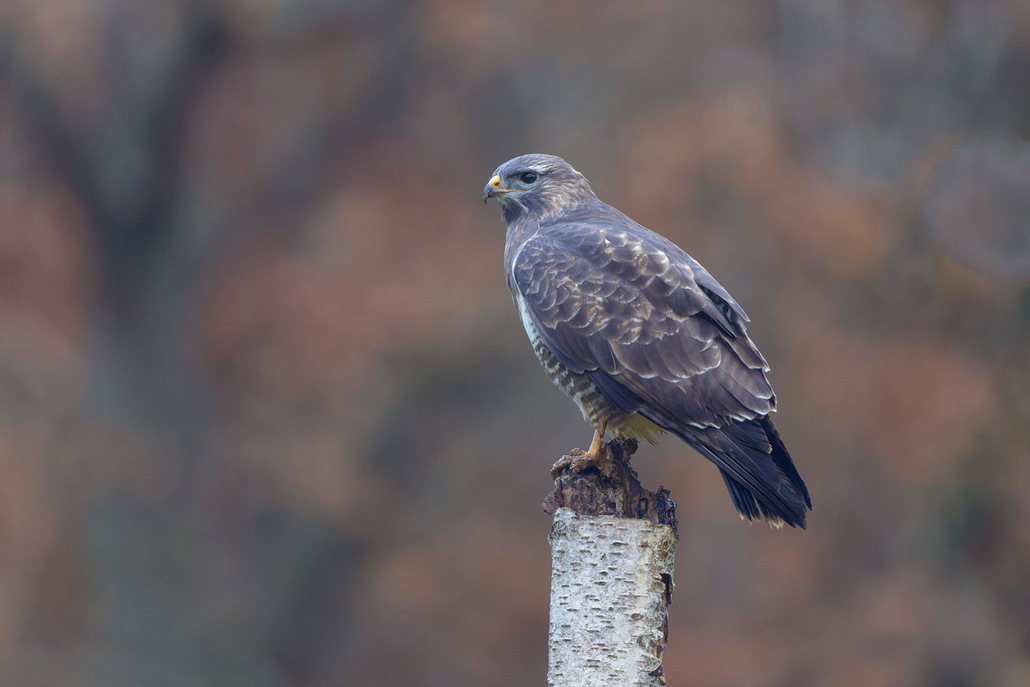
(536, 185)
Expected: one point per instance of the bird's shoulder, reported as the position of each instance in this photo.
(611, 298)
(594, 258)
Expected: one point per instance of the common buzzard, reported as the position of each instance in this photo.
(640, 335)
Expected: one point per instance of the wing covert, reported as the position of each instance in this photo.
(621, 302)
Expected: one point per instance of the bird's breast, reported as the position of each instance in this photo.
(595, 406)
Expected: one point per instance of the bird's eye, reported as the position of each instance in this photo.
(527, 177)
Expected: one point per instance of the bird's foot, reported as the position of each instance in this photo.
(577, 460)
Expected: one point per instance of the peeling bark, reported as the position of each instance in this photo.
(612, 549)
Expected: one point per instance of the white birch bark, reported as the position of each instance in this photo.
(611, 581)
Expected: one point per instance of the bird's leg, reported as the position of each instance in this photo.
(595, 444)
(578, 460)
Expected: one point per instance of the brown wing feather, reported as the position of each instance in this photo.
(627, 302)
(659, 336)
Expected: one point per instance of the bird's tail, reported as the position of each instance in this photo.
(757, 469)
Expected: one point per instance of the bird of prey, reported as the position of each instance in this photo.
(640, 335)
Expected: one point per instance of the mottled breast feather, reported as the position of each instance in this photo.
(609, 296)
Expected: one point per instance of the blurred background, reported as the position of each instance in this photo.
(268, 417)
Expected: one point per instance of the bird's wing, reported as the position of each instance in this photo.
(659, 336)
(620, 300)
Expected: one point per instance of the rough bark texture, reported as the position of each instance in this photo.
(612, 549)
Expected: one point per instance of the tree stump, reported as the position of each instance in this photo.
(612, 550)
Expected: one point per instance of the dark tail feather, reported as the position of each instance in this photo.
(743, 499)
(783, 461)
(755, 505)
(757, 469)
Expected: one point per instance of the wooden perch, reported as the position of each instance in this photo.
(612, 549)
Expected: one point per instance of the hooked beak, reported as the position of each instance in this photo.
(493, 189)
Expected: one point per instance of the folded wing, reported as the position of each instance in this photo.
(659, 336)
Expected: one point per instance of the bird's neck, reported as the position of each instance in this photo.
(519, 231)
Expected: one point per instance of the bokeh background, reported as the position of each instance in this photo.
(268, 418)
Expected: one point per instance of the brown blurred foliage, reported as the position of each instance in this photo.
(268, 418)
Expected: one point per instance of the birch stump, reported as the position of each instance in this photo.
(612, 549)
